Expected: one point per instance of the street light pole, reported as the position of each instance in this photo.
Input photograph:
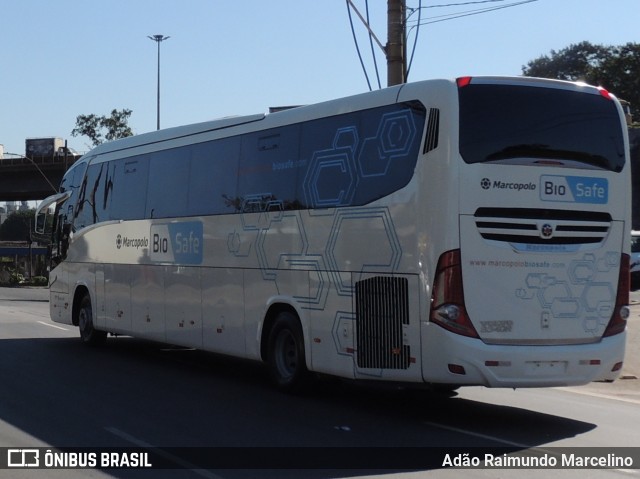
(158, 39)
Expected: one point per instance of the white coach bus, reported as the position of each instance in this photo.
(469, 232)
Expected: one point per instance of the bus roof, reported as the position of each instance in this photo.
(322, 109)
(172, 133)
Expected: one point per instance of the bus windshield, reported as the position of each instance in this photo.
(507, 123)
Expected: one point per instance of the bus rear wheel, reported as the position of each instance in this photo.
(286, 356)
(88, 334)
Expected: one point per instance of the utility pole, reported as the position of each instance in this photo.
(395, 49)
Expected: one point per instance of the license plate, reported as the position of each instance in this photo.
(546, 368)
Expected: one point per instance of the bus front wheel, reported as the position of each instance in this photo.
(88, 334)
(286, 356)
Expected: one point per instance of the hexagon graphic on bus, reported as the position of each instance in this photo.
(269, 208)
(350, 164)
(311, 269)
(269, 243)
(344, 240)
(331, 178)
(334, 174)
(395, 137)
(581, 294)
(349, 229)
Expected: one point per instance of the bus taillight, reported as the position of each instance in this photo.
(463, 81)
(447, 298)
(605, 93)
(618, 321)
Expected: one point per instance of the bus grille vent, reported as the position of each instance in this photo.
(540, 226)
(382, 308)
(433, 130)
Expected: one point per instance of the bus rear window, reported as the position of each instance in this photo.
(513, 124)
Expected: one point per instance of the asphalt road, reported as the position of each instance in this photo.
(130, 393)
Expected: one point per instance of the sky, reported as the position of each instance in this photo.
(63, 58)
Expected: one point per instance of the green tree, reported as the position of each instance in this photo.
(616, 68)
(17, 226)
(103, 128)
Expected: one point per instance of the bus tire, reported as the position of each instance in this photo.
(286, 356)
(88, 334)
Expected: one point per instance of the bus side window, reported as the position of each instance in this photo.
(91, 203)
(129, 194)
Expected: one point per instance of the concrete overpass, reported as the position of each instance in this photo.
(23, 178)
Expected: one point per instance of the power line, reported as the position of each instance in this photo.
(468, 13)
(373, 53)
(417, 23)
(415, 40)
(462, 3)
(355, 40)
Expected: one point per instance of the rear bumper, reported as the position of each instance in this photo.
(516, 366)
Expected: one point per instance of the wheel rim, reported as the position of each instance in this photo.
(286, 354)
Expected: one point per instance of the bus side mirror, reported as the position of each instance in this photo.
(41, 222)
(42, 212)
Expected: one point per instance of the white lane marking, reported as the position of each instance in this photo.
(599, 395)
(53, 325)
(175, 459)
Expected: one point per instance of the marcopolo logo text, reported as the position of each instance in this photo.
(126, 242)
(488, 184)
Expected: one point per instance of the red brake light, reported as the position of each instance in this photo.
(618, 321)
(463, 81)
(447, 298)
(604, 93)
